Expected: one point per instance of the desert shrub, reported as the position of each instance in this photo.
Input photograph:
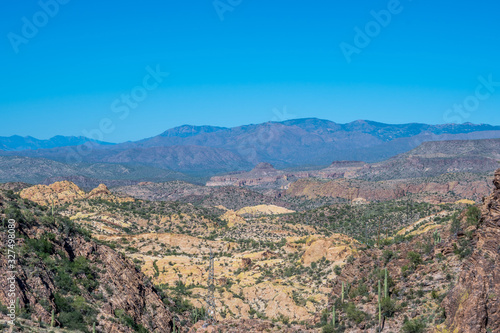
(405, 271)
(328, 328)
(473, 215)
(463, 249)
(354, 314)
(455, 225)
(415, 258)
(42, 247)
(388, 306)
(387, 255)
(414, 326)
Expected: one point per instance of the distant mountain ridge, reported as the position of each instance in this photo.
(18, 143)
(296, 143)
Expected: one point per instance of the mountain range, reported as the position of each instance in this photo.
(19, 143)
(209, 150)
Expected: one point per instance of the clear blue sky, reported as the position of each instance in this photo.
(263, 56)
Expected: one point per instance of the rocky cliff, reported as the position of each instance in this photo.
(64, 276)
(473, 305)
(447, 188)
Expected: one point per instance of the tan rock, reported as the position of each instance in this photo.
(264, 210)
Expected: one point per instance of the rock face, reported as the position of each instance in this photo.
(102, 279)
(265, 175)
(473, 305)
(333, 249)
(263, 210)
(232, 218)
(63, 192)
(439, 190)
(57, 193)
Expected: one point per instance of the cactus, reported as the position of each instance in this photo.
(379, 290)
(379, 316)
(93, 327)
(52, 319)
(194, 315)
(173, 325)
(333, 316)
(437, 237)
(342, 295)
(386, 287)
(17, 306)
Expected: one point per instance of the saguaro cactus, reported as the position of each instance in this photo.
(386, 287)
(333, 316)
(93, 327)
(379, 316)
(342, 295)
(52, 319)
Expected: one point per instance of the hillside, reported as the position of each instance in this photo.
(449, 187)
(40, 170)
(427, 161)
(435, 158)
(437, 275)
(132, 264)
(66, 278)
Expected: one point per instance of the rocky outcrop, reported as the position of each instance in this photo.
(57, 193)
(232, 218)
(333, 249)
(263, 210)
(63, 192)
(473, 305)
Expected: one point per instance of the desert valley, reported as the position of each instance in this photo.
(407, 243)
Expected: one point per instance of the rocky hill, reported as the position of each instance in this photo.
(41, 170)
(65, 192)
(67, 280)
(424, 167)
(228, 196)
(436, 158)
(473, 304)
(436, 275)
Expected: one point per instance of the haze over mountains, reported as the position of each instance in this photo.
(209, 150)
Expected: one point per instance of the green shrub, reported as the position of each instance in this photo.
(415, 258)
(354, 314)
(414, 326)
(473, 215)
(328, 328)
(387, 255)
(388, 307)
(455, 225)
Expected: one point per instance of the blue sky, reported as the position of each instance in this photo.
(264, 61)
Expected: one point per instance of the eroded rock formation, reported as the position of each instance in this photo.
(473, 305)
